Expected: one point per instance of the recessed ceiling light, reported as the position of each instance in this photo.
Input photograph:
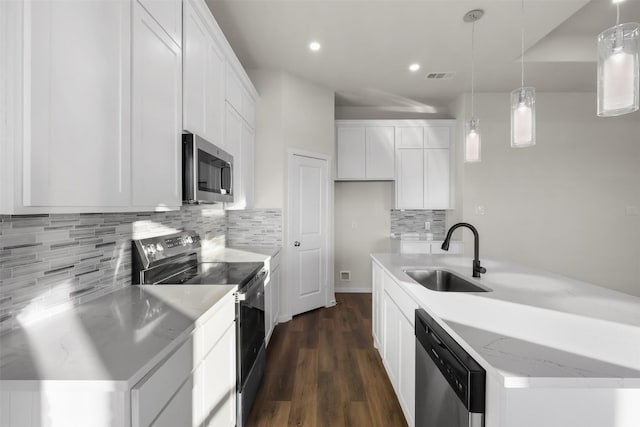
(414, 67)
(314, 46)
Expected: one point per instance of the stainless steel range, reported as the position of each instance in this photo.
(175, 259)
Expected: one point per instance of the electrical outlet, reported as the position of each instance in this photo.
(345, 276)
(632, 211)
(480, 210)
(427, 225)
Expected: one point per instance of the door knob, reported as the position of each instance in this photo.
(296, 244)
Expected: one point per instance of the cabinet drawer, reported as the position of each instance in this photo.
(404, 302)
(152, 393)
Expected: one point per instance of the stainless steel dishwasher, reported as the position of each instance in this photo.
(450, 384)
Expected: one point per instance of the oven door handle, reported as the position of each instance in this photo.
(258, 280)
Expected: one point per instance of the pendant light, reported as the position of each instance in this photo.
(618, 75)
(523, 103)
(473, 142)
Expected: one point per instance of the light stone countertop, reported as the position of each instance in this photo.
(535, 328)
(109, 343)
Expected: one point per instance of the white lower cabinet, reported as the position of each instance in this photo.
(181, 409)
(196, 385)
(272, 297)
(217, 386)
(376, 309)
(398, 339)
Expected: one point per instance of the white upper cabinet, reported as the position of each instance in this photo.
(424, 155)
(233, 89)
(233, 144)
(96, 94)
(68, 110)
(204, 68)
(364, 152)
(379, 153)
(410, 179)
(248, 109)
(156, 119)
(168, 14)
(409, 137)
(351, 151)
(248, 164)
(437, 136)
(437, 178)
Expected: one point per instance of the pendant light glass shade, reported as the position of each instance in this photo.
(523, 117)
(472, 142)
(618, 70)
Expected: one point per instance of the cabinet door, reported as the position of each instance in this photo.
(156, 119)
(248, 164)
(410, 178)
(233, 144)
(248, 109)
(390, 352)
(436, 178)
(195, 54)
(217, 402)
(181, 409)
(275, 295)
(409, 137)
(168, 13)
(76, 95)
(233, 88)
(351, 152)
(214, 94)
(437, 137)
(376, 304)
(379, 156)
(407, 367)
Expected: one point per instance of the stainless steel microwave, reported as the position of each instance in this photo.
(207, 171)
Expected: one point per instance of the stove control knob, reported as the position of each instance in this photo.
(159, 247)
(151, 249)
(188, 239)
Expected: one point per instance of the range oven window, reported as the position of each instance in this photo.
(214, 175)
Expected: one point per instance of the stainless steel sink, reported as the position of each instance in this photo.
(444, 281)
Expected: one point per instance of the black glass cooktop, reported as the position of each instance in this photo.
(223, 273)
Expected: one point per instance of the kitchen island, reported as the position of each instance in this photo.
(557, 351)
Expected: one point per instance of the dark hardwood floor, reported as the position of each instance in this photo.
(322, 370)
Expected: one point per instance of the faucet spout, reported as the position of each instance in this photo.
(477, 268)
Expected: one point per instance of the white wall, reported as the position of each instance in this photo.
(291, 113)
(560, 205)
(362, 226)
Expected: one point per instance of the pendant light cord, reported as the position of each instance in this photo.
(617, 14)
(522, 44)
(473, 64)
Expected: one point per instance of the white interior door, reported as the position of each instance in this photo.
(308, 233)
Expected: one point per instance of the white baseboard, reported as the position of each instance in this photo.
(353, 290)
(284, 318)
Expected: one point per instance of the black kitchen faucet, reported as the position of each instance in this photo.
(477, 268)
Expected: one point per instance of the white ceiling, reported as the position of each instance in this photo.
(367, 45)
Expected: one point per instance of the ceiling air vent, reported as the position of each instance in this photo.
(440, 75)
